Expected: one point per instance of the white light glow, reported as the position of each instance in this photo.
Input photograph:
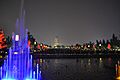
(88, 45)
(15, 52)
(16, 37)
(35, 43)
(100, 45)
(118, 49)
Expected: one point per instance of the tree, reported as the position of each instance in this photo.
(9, 41)
(114, 41)
(97, 42)
(103, 42)
(31, 38)
(3, 44)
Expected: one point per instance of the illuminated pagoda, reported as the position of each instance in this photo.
(56, 42)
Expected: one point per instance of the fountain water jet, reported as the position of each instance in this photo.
(18, 65)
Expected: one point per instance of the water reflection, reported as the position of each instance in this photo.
(118, 70)
(77, 69)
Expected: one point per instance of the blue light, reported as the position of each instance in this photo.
(18, 64)
(9, 79)
(30, 79)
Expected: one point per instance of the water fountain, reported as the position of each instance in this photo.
(18, 65)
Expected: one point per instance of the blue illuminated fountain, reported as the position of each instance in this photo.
(18, 65)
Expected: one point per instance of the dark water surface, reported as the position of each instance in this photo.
(77, 69)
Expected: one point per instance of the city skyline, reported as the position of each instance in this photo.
(72, 21)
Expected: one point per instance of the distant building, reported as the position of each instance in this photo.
(56, 42)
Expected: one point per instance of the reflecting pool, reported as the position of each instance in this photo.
(77, 69)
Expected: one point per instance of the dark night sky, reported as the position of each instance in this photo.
(73, 21)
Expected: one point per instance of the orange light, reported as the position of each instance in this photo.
(118, 72)
(29, 42)
(118, 78)
(2, 41)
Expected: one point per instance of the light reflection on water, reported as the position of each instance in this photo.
(78, 69)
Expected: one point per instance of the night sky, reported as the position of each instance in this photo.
(73, 21)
